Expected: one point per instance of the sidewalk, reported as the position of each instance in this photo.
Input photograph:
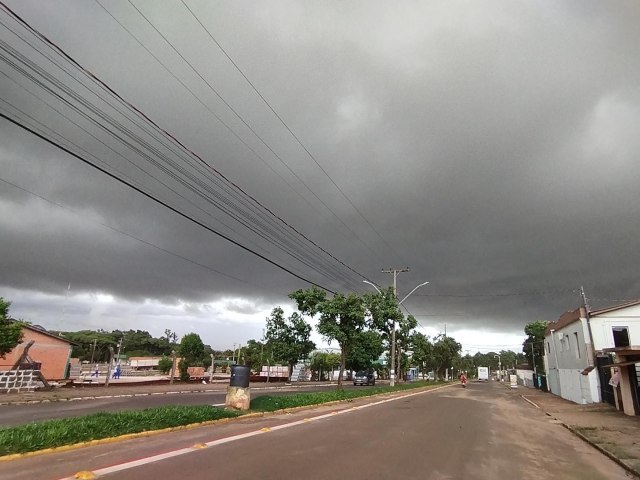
(612, 432)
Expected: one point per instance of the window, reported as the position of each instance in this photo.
(575, 334)
(620, 336)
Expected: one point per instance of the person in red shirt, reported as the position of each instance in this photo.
(463, 379)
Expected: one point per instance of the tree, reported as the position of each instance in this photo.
(423, 353)
(165, 364)
(406, 327)
(253, 354)
(10, 330)
(322, 363)
(341, 318)
(191, 350)
(446, 350)
(366, 349)
(384, 312)
(288, 338)
(533, 346)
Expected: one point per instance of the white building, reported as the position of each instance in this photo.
(576, 355)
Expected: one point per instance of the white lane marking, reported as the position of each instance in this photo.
(163, 456)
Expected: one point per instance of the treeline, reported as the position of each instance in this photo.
(93, 345)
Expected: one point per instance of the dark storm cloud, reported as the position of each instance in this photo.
(490, 147)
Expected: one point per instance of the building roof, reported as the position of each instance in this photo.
(614, 308)
(565, 319)
(571, 316)
(41, 330)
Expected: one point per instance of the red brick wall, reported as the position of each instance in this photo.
(52, 353)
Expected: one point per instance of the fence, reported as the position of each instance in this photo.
(16, 381)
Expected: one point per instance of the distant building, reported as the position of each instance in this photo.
(48, 353)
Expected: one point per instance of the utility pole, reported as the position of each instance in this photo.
(106, 382)
(93, 351)
(584, 298)
(533, 359)
(173, 366)
(392, 372)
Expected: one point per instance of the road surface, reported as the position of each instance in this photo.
(485, 431)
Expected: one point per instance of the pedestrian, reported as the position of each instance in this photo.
(116, 373)
(96, 371)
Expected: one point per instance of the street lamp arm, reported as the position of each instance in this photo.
(407, 296)
(373, 285)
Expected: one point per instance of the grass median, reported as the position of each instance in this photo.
(68, 431)
(271, 403)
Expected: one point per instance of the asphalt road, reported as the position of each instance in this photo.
(21, 414)
(485, 431)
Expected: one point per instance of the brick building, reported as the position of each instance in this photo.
(50, 351)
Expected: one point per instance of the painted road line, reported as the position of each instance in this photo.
(164, 456)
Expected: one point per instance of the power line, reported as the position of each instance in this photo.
(251, 129)
(144, 143)
(160, 202)
(511, 294)
(297, 139)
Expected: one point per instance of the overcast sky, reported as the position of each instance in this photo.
(491, 147)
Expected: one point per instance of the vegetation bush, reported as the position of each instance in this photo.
(67, 431)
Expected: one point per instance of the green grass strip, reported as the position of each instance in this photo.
(273, 403)
(67, 431)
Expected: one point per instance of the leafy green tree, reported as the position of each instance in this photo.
(10, 330)
(341, 318)
(446, 351)
(165, 364)
(366, 349)
(322, 363)
(404, 332)
(191, 350)
(289, 339)
(423, 353)
(253, 354)
(384, 312)
(533, 346)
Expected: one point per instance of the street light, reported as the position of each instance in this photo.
(499, 366)
(392, 370)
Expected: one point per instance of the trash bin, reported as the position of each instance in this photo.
(240, 376)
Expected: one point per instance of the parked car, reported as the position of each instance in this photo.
(362, 377)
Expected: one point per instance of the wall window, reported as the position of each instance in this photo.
(575, 334)
(620, 336)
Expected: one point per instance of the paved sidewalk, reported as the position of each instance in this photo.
(612, 432)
